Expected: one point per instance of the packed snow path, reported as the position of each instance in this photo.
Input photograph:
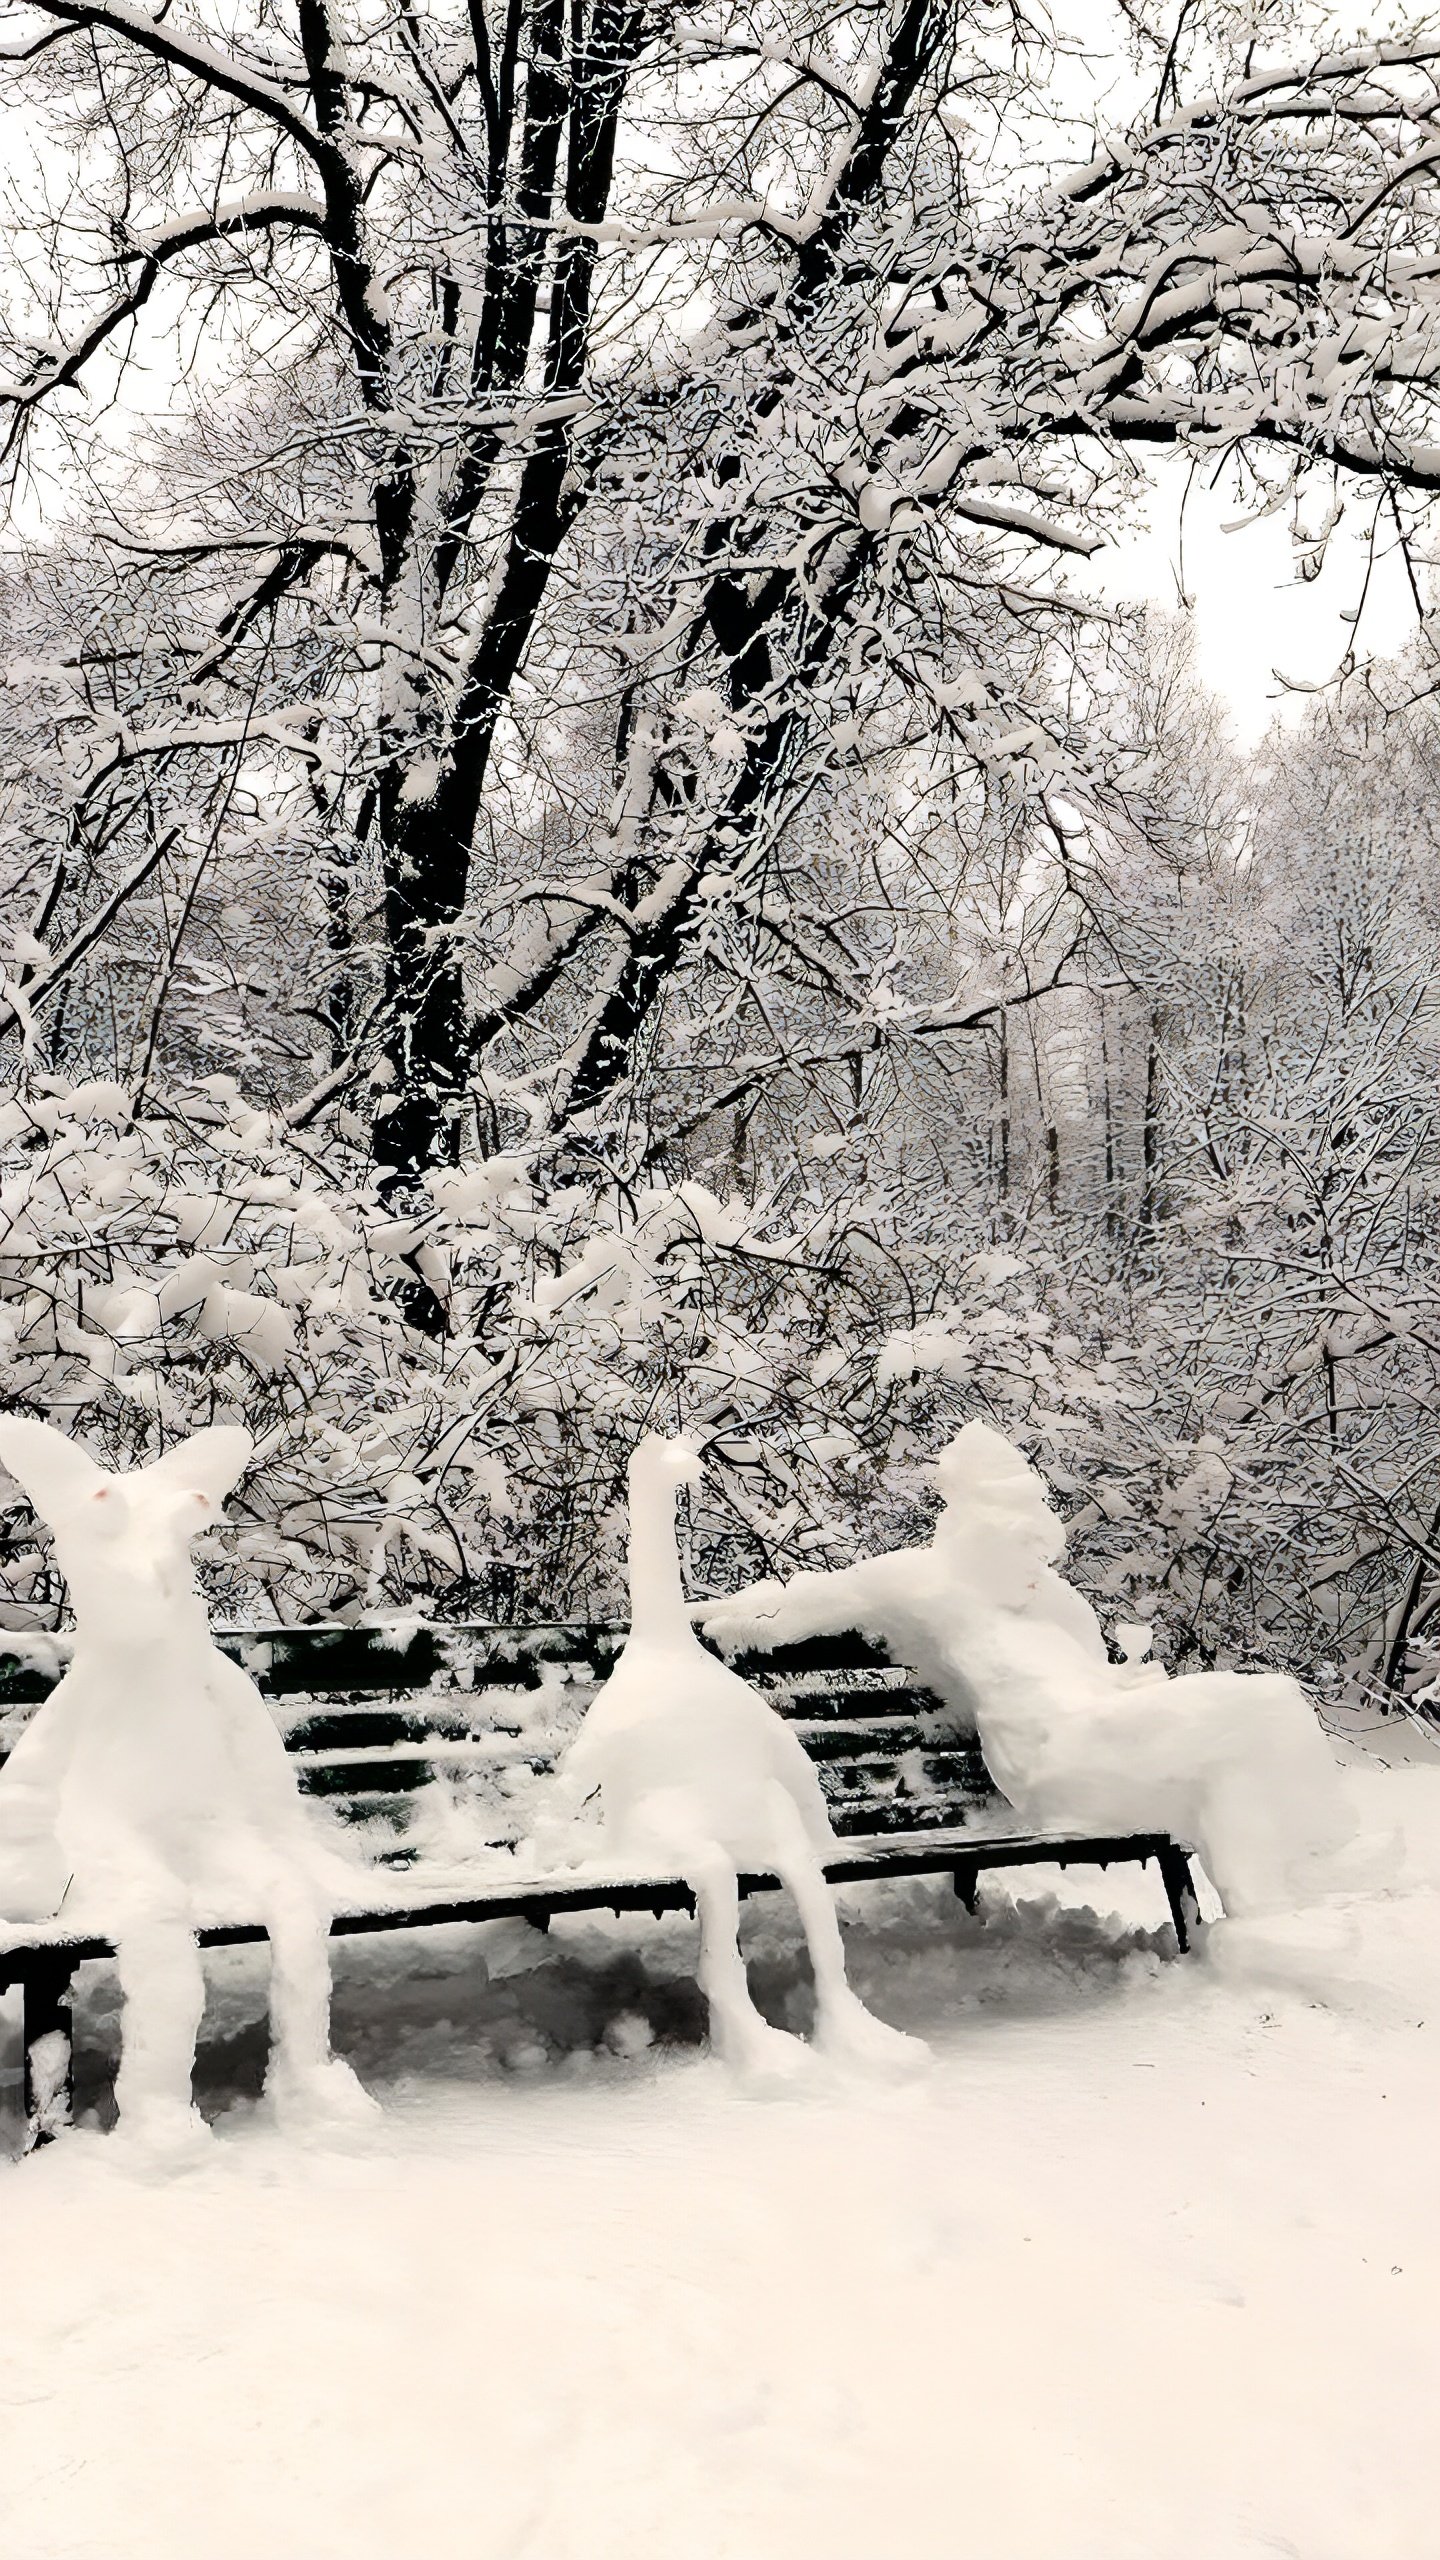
(1145, 2270)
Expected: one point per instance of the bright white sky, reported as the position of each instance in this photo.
(1255, 623)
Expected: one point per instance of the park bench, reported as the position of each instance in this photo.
(373, 1715)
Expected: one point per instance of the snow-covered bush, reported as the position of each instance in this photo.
(203, 1262)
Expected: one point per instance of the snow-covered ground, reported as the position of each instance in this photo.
(1147, 2267)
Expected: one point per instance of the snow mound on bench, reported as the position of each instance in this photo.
(1233, 1763)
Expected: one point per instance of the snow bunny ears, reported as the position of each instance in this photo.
(183, 1490)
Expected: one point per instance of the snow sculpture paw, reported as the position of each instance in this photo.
(765, 2061)
(323, 2100)
(164, 2133)
(850, 2033)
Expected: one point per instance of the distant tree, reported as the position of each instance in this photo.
(727, 378)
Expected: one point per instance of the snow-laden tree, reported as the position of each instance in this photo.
(603, 429)
(1222, 1129)
(1266, 1060)
(1306, 1148)
(155, 931)
(1219, 1342)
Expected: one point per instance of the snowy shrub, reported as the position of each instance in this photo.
(202, 1262)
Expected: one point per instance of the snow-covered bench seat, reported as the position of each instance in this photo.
(435, 1742)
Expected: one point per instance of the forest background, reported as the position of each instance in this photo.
(586, 842)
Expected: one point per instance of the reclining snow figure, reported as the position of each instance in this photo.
(152, 1791)
(698, 1776)
(1233, 1763)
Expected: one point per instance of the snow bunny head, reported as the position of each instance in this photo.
(123, 1540)
(989, 1488)
(657, 1461)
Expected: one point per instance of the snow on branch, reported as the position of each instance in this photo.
(214, 66)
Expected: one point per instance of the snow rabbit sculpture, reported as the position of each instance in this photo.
(698, 1776)
(153, 1791)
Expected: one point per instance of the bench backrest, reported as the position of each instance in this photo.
(442, 1735)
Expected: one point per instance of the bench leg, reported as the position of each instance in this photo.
(45, 1990)
(1180, 1894)
(967, 1883)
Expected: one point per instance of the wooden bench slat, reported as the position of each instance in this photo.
(850, 1815)
(962, 1766)
(357, 1779)
(335, 1660)
(877, 1701)
(320, 1661)
(848, 1652)
(390, 1727)
(380, 1661)
(859, 1737)
(866, 1746)
(893, 1717)
(865, 1858)
(416, 1736)
(391, 1811)
(360, 1786)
